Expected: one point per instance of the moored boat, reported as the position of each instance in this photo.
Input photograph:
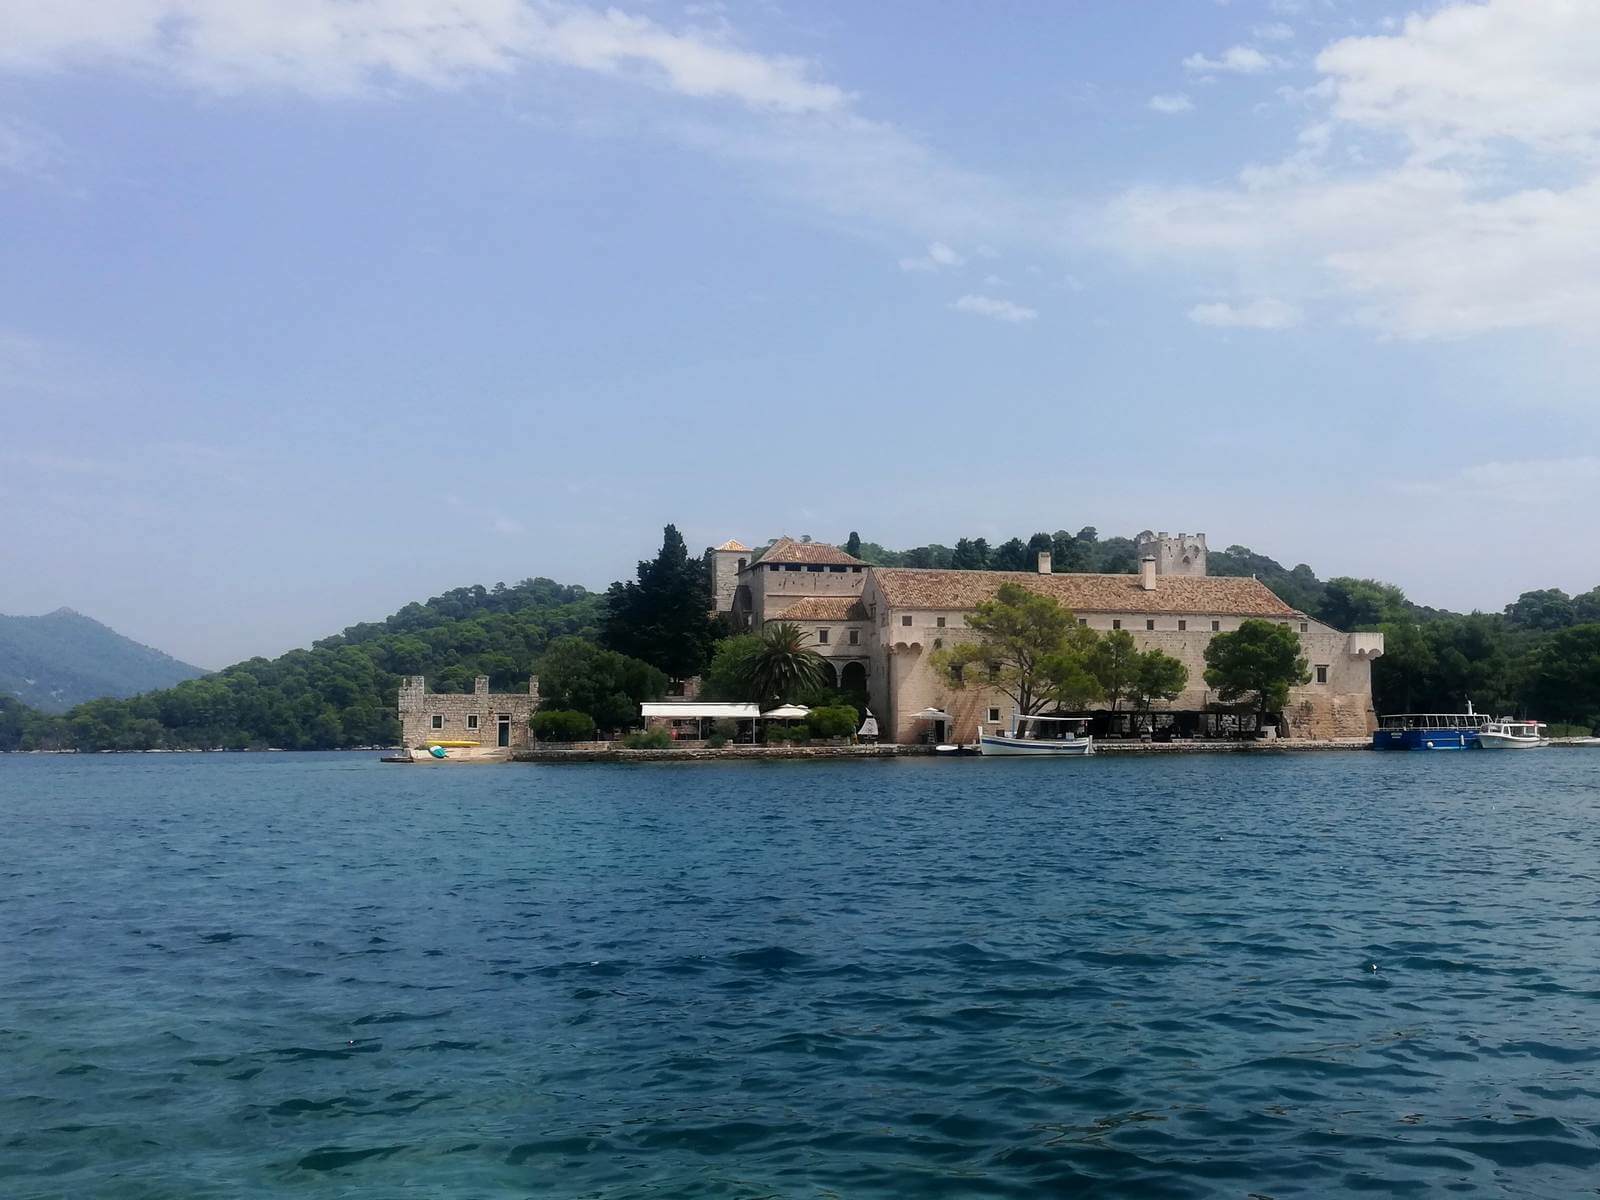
(1506, 734)
(1429, 731)
(1040, 737)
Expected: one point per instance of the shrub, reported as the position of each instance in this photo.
(647, 739)
(716, 742)
(562, 725)
(832, 722)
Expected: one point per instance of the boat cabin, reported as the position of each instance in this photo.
(1398, 721)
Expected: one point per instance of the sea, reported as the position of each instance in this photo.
(1273, 975)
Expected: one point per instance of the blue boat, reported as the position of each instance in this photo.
(1430, 731)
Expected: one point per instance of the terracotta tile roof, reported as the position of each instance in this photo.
(1208, 595)
(733, 544)
(787, 550)
(824, 608)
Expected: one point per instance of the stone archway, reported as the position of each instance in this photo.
(854, 677)
(830, 676)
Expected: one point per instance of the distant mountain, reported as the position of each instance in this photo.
(64, 658)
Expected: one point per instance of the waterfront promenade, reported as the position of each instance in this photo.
(602, 752)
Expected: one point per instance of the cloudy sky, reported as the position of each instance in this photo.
(313, 307)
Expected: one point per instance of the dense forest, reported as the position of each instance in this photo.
(1540, 657)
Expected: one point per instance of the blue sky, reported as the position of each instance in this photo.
(314, 307)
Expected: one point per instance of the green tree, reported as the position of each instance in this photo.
(782, 665)
(852, 544)
(1115, 664)
(1361, 603)
(1566, 676)
(728, 676)
(1010, 556)
(1403, 674)
(1260, 659)
(970, 555)
(664, 618)
(609, 687)
(1159, 676)
(832, 721)
(1028, 647)
(1586, 606)
(562, 725)
(1547, 609)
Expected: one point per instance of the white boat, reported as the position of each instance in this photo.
(1513, 735)
(1041, 737)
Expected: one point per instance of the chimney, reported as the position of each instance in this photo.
(480, 686)
(1147, 572)
(1044, 562)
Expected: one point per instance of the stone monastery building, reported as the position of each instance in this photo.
(877, 627)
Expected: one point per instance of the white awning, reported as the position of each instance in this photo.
(692, 709)
(931, 714)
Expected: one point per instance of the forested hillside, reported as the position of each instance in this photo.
(341, 692)
(64, 658)
(1540, 657)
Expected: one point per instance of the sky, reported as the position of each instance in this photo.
(310, 308)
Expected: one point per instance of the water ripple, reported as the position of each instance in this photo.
(1300, 976)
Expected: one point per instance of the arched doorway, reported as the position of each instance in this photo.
(854, 677)
(830, 677)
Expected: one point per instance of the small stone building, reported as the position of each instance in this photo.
(492, 719)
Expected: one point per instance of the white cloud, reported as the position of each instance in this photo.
(339, 46)
(1537, 483)
(1178, 103)
(939, 255)
(1477, 217)
(1235, 60)
(996, 309)
(1277, 31)
(1523, 71)
(1266, 313)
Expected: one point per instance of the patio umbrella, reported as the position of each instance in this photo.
(787, 712)
(932, 714)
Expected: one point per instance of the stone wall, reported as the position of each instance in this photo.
(473, 716)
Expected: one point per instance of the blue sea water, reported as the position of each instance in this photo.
(312, 975)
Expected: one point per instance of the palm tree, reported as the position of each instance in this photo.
(782, 666)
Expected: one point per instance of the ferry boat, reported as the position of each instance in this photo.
(1430, 731)
(1041, 737)
(1506, 734)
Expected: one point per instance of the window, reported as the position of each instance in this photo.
(1322, 674)
(743, 562)
(1083, 620)
(855, 637)
(438, 721)
(1304, 627)
(791, 566)
(472, 720)
(1116, 623)
(938, 643)
(906, 620)
(1215, 626)
(994, 714)
(1182, 625)
(1150, 623)
(940, 622)
(815, 567)
(822, 637)
(855, 570)
(837, 570)
(773, 567)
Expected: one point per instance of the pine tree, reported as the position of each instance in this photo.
(664, 618)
